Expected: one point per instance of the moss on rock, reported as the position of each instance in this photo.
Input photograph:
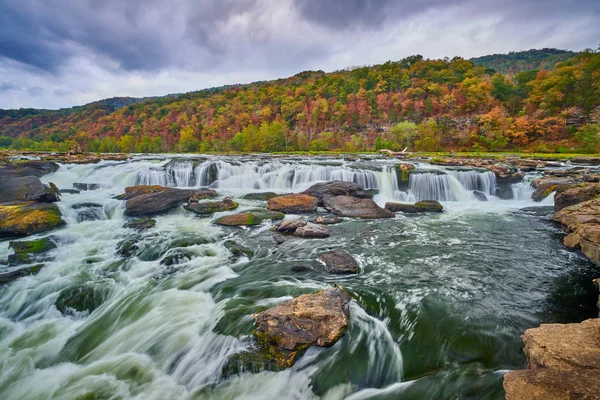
(28, 218)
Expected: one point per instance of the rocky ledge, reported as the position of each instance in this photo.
(564, 363)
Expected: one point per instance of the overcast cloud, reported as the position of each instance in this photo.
(61, 53)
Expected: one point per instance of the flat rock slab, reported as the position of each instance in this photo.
(582, 222)
(291, 225)
(339, 262)
(353, 207)
(563, 362)
(418, 207)
(336, 188)
(27, 188)
(210, 207)
(262, 196)
(249, 218)
(150, 200)
(317, 319)
(27, 168)
(568, 195)
(23, 219)
(293, 204)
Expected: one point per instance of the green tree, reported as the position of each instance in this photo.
(589, 138)
(187, 142)
(127, 144)
(108, 145)
(404, 134)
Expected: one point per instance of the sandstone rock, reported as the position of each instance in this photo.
(10, 276)
(336, 188)
(290, 226)
(506, 174)
(27, 168)
(263, 196)
(346, 206)
(23, 219)
(141, 224)
(293, 203)
(317, 319)
(582, 222)
(339, 262)
(569, 195)
(26, 251)
(563, 363)
(210, 207)
(27, 188)
(313, 231)
(250, 217)
(418, 207)
(149, 200)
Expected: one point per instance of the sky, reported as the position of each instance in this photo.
(62, 53)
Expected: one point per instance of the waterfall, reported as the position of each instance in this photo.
(451, 185)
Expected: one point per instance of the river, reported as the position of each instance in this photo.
(440, 300)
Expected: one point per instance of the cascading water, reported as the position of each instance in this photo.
(438, 305)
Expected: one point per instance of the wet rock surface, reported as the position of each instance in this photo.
(141, 224)
(10, 276)
(23, 219)
(150, 200)
(568, 195)
(353, 207)
(25, 252)
(336, 188)
(293, 204)
(563, 363)
(248, 218)
(210, 207)
(27, 188)
(81, 298)
(313, 231)
(290, 226)
(263, 196)
(86, 186)
(339, 262)
(35, 168)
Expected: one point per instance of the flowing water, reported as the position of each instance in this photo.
(440, 301)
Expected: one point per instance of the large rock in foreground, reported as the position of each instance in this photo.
(568, 195)
(346, 206)
(293, 204)
(339, 262)
(23, 219)
(27, 188)
(210, 207)
(336, 188)
(564, 363)
(418, 207)
(150, 200)
(317, 319)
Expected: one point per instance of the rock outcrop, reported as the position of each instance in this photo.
(336, 188)
(353, 207)
(568, 195)
(293, 204)
(151, 200)
(582, 223)
(27, 218)
(317, 319)
(210, 207)
(27, 188)
(563, 363)
(339, 262)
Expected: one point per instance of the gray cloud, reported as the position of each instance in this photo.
(81, 50)
(7, 86)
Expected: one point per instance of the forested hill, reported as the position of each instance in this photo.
(519, 61)
(428, 105)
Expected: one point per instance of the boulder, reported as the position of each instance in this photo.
(293, 204)
(326, 220)
(264, 196)
(506, 174)
(339, 262)
(336, 188)
(10, 276)
(563, 363)
(317, 319)
(149, 200)
(140, 224)
(568, 195)
(210, 207)
(401, 207)
(23, 219)
(26, 251)
(313, 231)
(290, 226)
(27, 188)
(35, 168)
(346, 206)
(479, 195)
(248, 218)
(429, 206)
(86, 186)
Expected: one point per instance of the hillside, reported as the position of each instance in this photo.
(520, 61)
(426, 105)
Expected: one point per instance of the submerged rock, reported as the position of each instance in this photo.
(81, 298)
(317, 319)
(248, 218)
(238, 250)
(141, 224)
(563, 363)
(336, 188)
(86, 186)
(293, 203)
(69, 191)
(27, 188)
(25, 251)
(210, 207)
(568, 195)
(301, 268)
(291, 225)
(149, 200)
(10, 276)
(23, 219)
(264, 196)
(339, 262)
(346, 206)
(479, 195)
